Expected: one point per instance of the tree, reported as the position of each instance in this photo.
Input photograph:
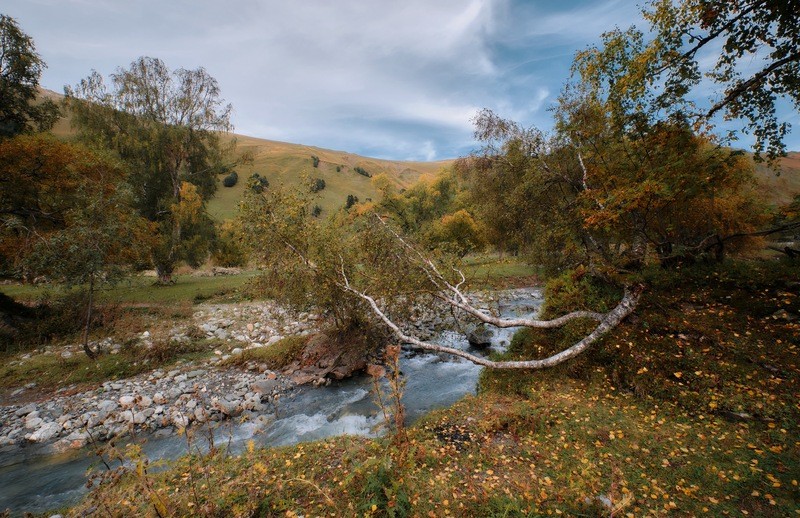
(20, 69)
(348, 267)
(66, 215)
(756, 61)
(598, 197)
(168, 126)
(459, 231)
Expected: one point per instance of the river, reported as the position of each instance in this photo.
(30, 481)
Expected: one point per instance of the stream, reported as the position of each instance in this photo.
(33, 482)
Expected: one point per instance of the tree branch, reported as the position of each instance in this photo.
(608, 321)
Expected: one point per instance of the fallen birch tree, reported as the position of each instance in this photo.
(359, 265)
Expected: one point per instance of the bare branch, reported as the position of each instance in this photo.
(608, 321)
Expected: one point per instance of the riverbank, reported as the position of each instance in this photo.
(687, 409)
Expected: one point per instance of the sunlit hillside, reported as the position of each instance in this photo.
(291, 164)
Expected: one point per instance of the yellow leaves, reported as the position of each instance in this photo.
(190, 207)
(678, 374)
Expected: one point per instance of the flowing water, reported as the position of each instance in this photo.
(34, 482)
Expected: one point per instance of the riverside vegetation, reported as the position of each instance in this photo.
(665, 355)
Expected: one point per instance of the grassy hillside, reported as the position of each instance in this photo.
(285, 163)
(784, 187)
(288, 164)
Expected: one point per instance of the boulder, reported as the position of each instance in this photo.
(264, 386)
(27, 409)
(45, 433)
(480, 336)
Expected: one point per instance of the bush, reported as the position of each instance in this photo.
(362, 171)
(317, 184)
(258, 183)
(228, 249)
(351, 200)
(316, 211)
(315, 160)
(231, 179)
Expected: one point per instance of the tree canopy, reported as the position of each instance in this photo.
(20, 69)
(748, 51)
(166, 125)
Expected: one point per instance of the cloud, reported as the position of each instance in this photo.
(392, 79)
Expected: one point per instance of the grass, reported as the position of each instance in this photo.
(141, 290)
(642, 425)
(275, 357)
(50, 370)
(494, 271)
(288, 164)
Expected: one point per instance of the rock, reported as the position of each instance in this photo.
(480, 336)
(237, 350)
(32, 424)
(264, 386)
(195, 373)
(66, 354)
(146, 334)
(222, 334)
(250, 327)
(145, 401)
(159, 399)
(106, 406)
(126, 401)
(200, 414)
(228, 408)
(27, 409)
(180, 420)
(736, 416)
(45, 433)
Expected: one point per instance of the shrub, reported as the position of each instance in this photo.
(317, 184)
(362, 171)
(315, 160)
(351, 200)
(316, 211)
(338, 168)
(230, 180)
(258, 183)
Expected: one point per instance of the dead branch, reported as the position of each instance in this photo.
(452, 295)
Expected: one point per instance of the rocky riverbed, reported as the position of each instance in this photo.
(165, 400)
(158, 402)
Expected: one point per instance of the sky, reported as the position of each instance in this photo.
(396, 80)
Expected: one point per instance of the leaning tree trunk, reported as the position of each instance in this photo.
(89, 309)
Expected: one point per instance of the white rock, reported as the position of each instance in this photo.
(45, 433)
(34, 423)
(180, 420)
(126, 401)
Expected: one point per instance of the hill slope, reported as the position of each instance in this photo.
(288, 164)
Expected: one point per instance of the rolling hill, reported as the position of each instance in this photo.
(288, 164)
